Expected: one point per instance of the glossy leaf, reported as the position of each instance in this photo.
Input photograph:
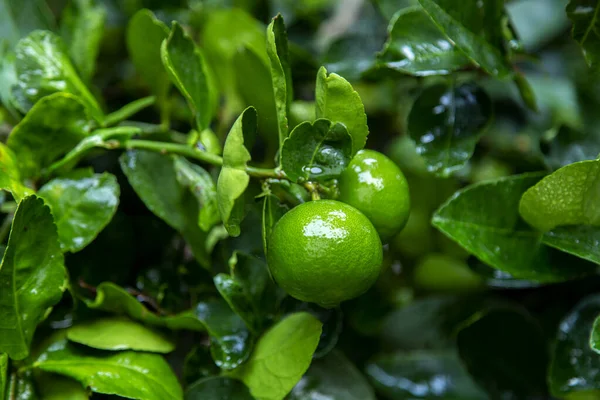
(281, 356)
(154, 178)
(57, 387)
(273, 210)
(469, 42)
(233, 179)
(129, 374)
(10, 176)
(580, 240)
(218, 388)
(484, 219)
(446, 124)
(337, 101)
(569, 196)
(52, 127)
(114, 299)
(3, 374)
(82, 204)
(119, 334)
(316, 151)
(32, 276)
(423, 375)
(201, 184)
(145, 34)
(22, 387)
(586, 25)
(82, 26)
(43, 67)
(575, 366)
(506, 353)
(188, 70)
(230, 341)
(334, 378)
(417, 47)
(281, 73)
(18, 18)
(594, 336)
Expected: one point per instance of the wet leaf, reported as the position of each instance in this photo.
(43, 67)
(10, 176)
(281, 356)
(218, 388)
(119, 334)
(82, 28)
(32, 276)
(145, 34)
(281, 74)
(233, 179)
(180, 56)
(338, 102)
(569, 196)
(423, 375)
(575, 366)
(54, 125)
(334, 378)
(82, 204)
(18, 18)
(316, 151)
(484, 219)
(416, 46)
(584, 17)
(57, 387)
(129, 374)
(154, 178)
(580, 240)
(446, 124)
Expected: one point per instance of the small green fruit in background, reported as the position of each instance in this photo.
(375, 185)
(324, 252)
(417, 238)
(441, 272)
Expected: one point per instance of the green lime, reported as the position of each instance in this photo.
(440, 272)
(417, 237)
(375, 185)
(324, 252)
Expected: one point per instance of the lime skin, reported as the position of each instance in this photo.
(324, 252)
(375, 185)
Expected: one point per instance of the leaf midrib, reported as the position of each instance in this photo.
(592, 23)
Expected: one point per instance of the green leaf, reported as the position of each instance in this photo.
(484, 219)
(218, 388)
(10, 176)
(201, 184)
(595, 336)
(470, 42)
(145, 34)
(119, 334)
(82, 28)
(417, 47)
(8, 77)
(82, 204)
(337, 101)
(333, 378)
(43, 68)
(188, 70)
(585, 17)
(505, 351)
(230, 341)
(153, 176)
(281, 73)
(129, 374)
(32, 276)
(281, 357)
(316, 151)
(569, 196)
(413, 375)
(580, 240)
(18, 18)
(57, 387)
(233, 179)
(22, 387)
(3, 374)
(114, 299)
(575, 366)
(52, 127)
(446, 124)
(273, 210)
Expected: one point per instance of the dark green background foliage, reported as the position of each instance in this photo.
(147, 149)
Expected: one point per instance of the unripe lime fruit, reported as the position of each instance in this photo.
(324, 252)
(375, 186)
(440, 272)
